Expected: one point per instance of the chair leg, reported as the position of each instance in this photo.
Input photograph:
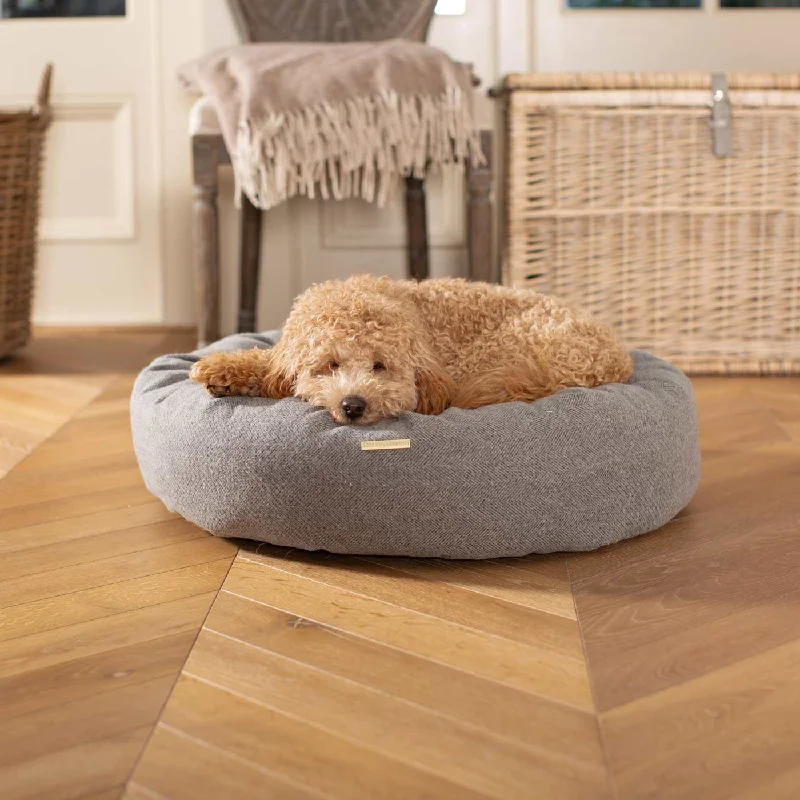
(416, 229)
(205, 159)
(479, 216)
(249, 263)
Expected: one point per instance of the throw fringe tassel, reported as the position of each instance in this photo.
(357, 148)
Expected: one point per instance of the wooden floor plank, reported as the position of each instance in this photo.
(298, 752)
(78, 505)
(84, 525)
(154, 560)
(39, 404)
(89, 426)
(40, 650)
(432, 593)
(327, 677)
(115, 472)
(102, 546)
(183, 768)
(548, 570)
(353, 655)
(534, 721)
(463, 754)
(529, 588)
(782, 785)
(56, 376)
(498, 659)
(42, 402)
(676, 587)
(112, 793)
(103, 591)
(728, 732)
(750, 423)
(95, 444)
(111, 599)
(134, 791)
(97, 673)
(75, 772)
(65, 352)
(31, 736)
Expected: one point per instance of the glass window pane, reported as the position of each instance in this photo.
(11, 9)
(634, 3)
(759, 3)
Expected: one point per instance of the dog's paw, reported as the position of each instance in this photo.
(222, 376)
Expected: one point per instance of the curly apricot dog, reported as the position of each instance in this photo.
(369, 348)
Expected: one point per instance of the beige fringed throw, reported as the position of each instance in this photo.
(343, 119)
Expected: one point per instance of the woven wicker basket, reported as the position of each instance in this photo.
(615, 202)
(21, 143)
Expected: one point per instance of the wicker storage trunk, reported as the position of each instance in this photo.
(615, 201)
(21, 143)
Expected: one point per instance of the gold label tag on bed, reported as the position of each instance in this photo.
(386, 444)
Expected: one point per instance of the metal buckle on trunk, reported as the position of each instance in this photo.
(721, 121)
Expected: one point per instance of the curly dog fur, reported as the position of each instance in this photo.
(370, 348)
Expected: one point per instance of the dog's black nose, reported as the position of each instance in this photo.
(353, 406)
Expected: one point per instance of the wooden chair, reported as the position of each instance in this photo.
(316, 20)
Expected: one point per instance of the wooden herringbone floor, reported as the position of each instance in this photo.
(141, 657)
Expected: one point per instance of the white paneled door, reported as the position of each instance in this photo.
(100, 255)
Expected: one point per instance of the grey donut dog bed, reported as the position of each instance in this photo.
(575, 471)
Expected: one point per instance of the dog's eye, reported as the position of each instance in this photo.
(379, 366)
(333, 366)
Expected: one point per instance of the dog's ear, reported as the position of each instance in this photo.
(435, 388)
